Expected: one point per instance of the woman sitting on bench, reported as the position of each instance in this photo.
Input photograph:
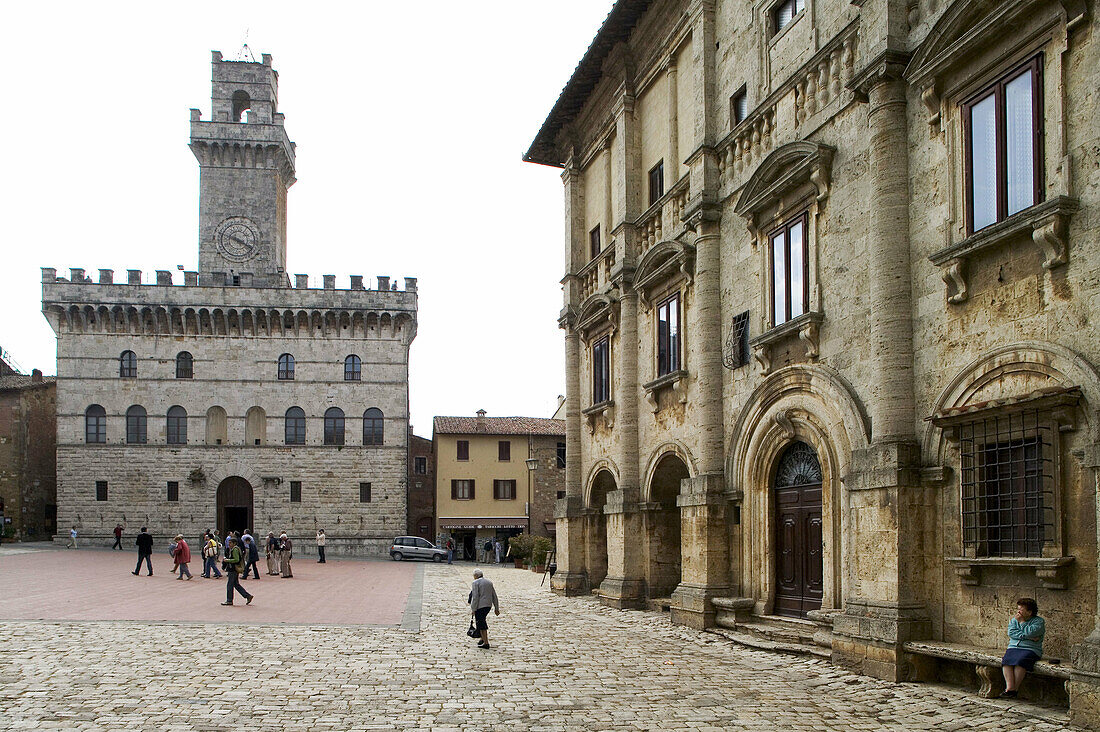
(1025, 644)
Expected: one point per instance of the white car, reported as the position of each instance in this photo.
(413, 547)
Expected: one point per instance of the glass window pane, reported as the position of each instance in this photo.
(779, 278)
(1020, 140)
(983, 158)
(798, 283)
(674, 334)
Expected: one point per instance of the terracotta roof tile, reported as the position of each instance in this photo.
(22, 381)
(499, 426)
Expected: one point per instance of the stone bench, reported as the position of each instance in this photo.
(922, 657)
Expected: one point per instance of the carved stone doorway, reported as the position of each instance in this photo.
(799, 579)
(234, 505)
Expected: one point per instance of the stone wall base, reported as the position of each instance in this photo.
(624, 594)
(692, 606)
(569, 584)
(1084, 685)
(868, 637)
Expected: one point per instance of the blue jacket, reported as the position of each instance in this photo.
(1020, 634)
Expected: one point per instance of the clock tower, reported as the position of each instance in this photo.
(246, 164)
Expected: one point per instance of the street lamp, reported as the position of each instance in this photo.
(532, 466)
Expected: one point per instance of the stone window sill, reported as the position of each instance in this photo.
(606, 409)
(1044, 223)
(1051, 571)
(807, 327)
(676, 379)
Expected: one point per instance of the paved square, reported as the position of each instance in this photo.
(557, 664)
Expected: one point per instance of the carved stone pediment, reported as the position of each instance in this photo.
(782, 175)
(595, 312)
(969, 25)
(663, 262)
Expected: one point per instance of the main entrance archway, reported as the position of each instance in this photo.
(234, 505)
(663, 526)
(799, 582)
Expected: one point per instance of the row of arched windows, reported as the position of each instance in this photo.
(185, 366)
(137, 425)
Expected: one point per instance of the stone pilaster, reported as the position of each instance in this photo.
(624, 586)
(884, 607)
(705, 568)
(1084, 684)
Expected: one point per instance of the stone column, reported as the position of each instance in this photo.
(884, 608)
(1084, 684)
(624, 586)
(673, 167)
(571, 575)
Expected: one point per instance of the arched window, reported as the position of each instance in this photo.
(127, 365)
(255, 426)
(334, 426)
(95, 424)
(286, 367)
(372, 426)
(353, 368)
(185, 365)
(177, 426)
(216, 426)
(241, 104)
(295, 426)
(136, 425)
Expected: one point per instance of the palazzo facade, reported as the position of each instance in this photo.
(234, 400)
(831, 274)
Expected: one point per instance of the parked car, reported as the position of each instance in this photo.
(413, 547)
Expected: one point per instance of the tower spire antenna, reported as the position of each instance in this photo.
(245, 54)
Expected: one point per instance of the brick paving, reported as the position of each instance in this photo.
(557, 664)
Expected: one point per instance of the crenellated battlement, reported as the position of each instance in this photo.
(165, 278)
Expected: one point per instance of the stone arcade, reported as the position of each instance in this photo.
(234, 400)
(831, 276)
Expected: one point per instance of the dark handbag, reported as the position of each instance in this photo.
(472, 631)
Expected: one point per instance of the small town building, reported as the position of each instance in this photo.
(421, 488)
(496, 477)
(234, 399)
(28, 469)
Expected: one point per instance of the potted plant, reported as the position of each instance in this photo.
(539, 550)
(520, 548)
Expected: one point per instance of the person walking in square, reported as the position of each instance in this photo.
(172, 553)
(234, 566)
(497, 547)
(483, 597)
(450, 550)
(252, 557)
(72, 539)
(272, 554)
(286, 553)
(118, 537)
(144, 543)
(321, 546)
(183, 556)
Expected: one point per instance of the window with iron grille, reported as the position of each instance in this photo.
(364, 492)
(353, 368)
(295, 491)
(173, 490)
(1007, 482)
(737, 343)
(504, 490)
(462, 490)
(286, 367)
(101, 490)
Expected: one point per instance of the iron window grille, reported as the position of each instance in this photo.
(353, 368)
(95, 425)
(373, 426)
(185, 365)
(173, 490)
(504, 490)
(127, 365)
(177, 426)
(1007, 483)
(561, 454)
(295, 491)
(334, 426)
(286, 367)
(101, 490)
(737, 343)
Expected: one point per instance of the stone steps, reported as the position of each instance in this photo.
(786, 635)
(764, 643)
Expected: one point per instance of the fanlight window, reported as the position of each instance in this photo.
(334, 426)
(353, 368)
(798, 466)
(127, 365)
(177, 426)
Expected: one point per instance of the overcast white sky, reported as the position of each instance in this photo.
(410, 120)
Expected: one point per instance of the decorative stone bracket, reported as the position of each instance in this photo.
(807, 326)
(605, 409)
(1052, 571)
(1044, 223)
(677, 380)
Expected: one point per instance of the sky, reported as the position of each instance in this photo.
(410, 121)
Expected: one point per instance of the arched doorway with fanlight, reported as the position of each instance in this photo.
(234, 505)
(799, 579)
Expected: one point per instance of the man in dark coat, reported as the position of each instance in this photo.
(251, 557)
(145, 551)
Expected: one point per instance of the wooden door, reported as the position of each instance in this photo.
(799, 580)
(234, 505)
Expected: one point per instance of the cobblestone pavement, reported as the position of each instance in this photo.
(556, 664)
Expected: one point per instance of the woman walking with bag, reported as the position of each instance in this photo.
(483, 597)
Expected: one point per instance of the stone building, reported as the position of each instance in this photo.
(28, 473)
(421, 488)
(496, 477)
(830, 275)
(234, 400)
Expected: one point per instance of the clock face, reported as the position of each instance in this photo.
(237, 238)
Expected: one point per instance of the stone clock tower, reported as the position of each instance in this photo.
(247, 165)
